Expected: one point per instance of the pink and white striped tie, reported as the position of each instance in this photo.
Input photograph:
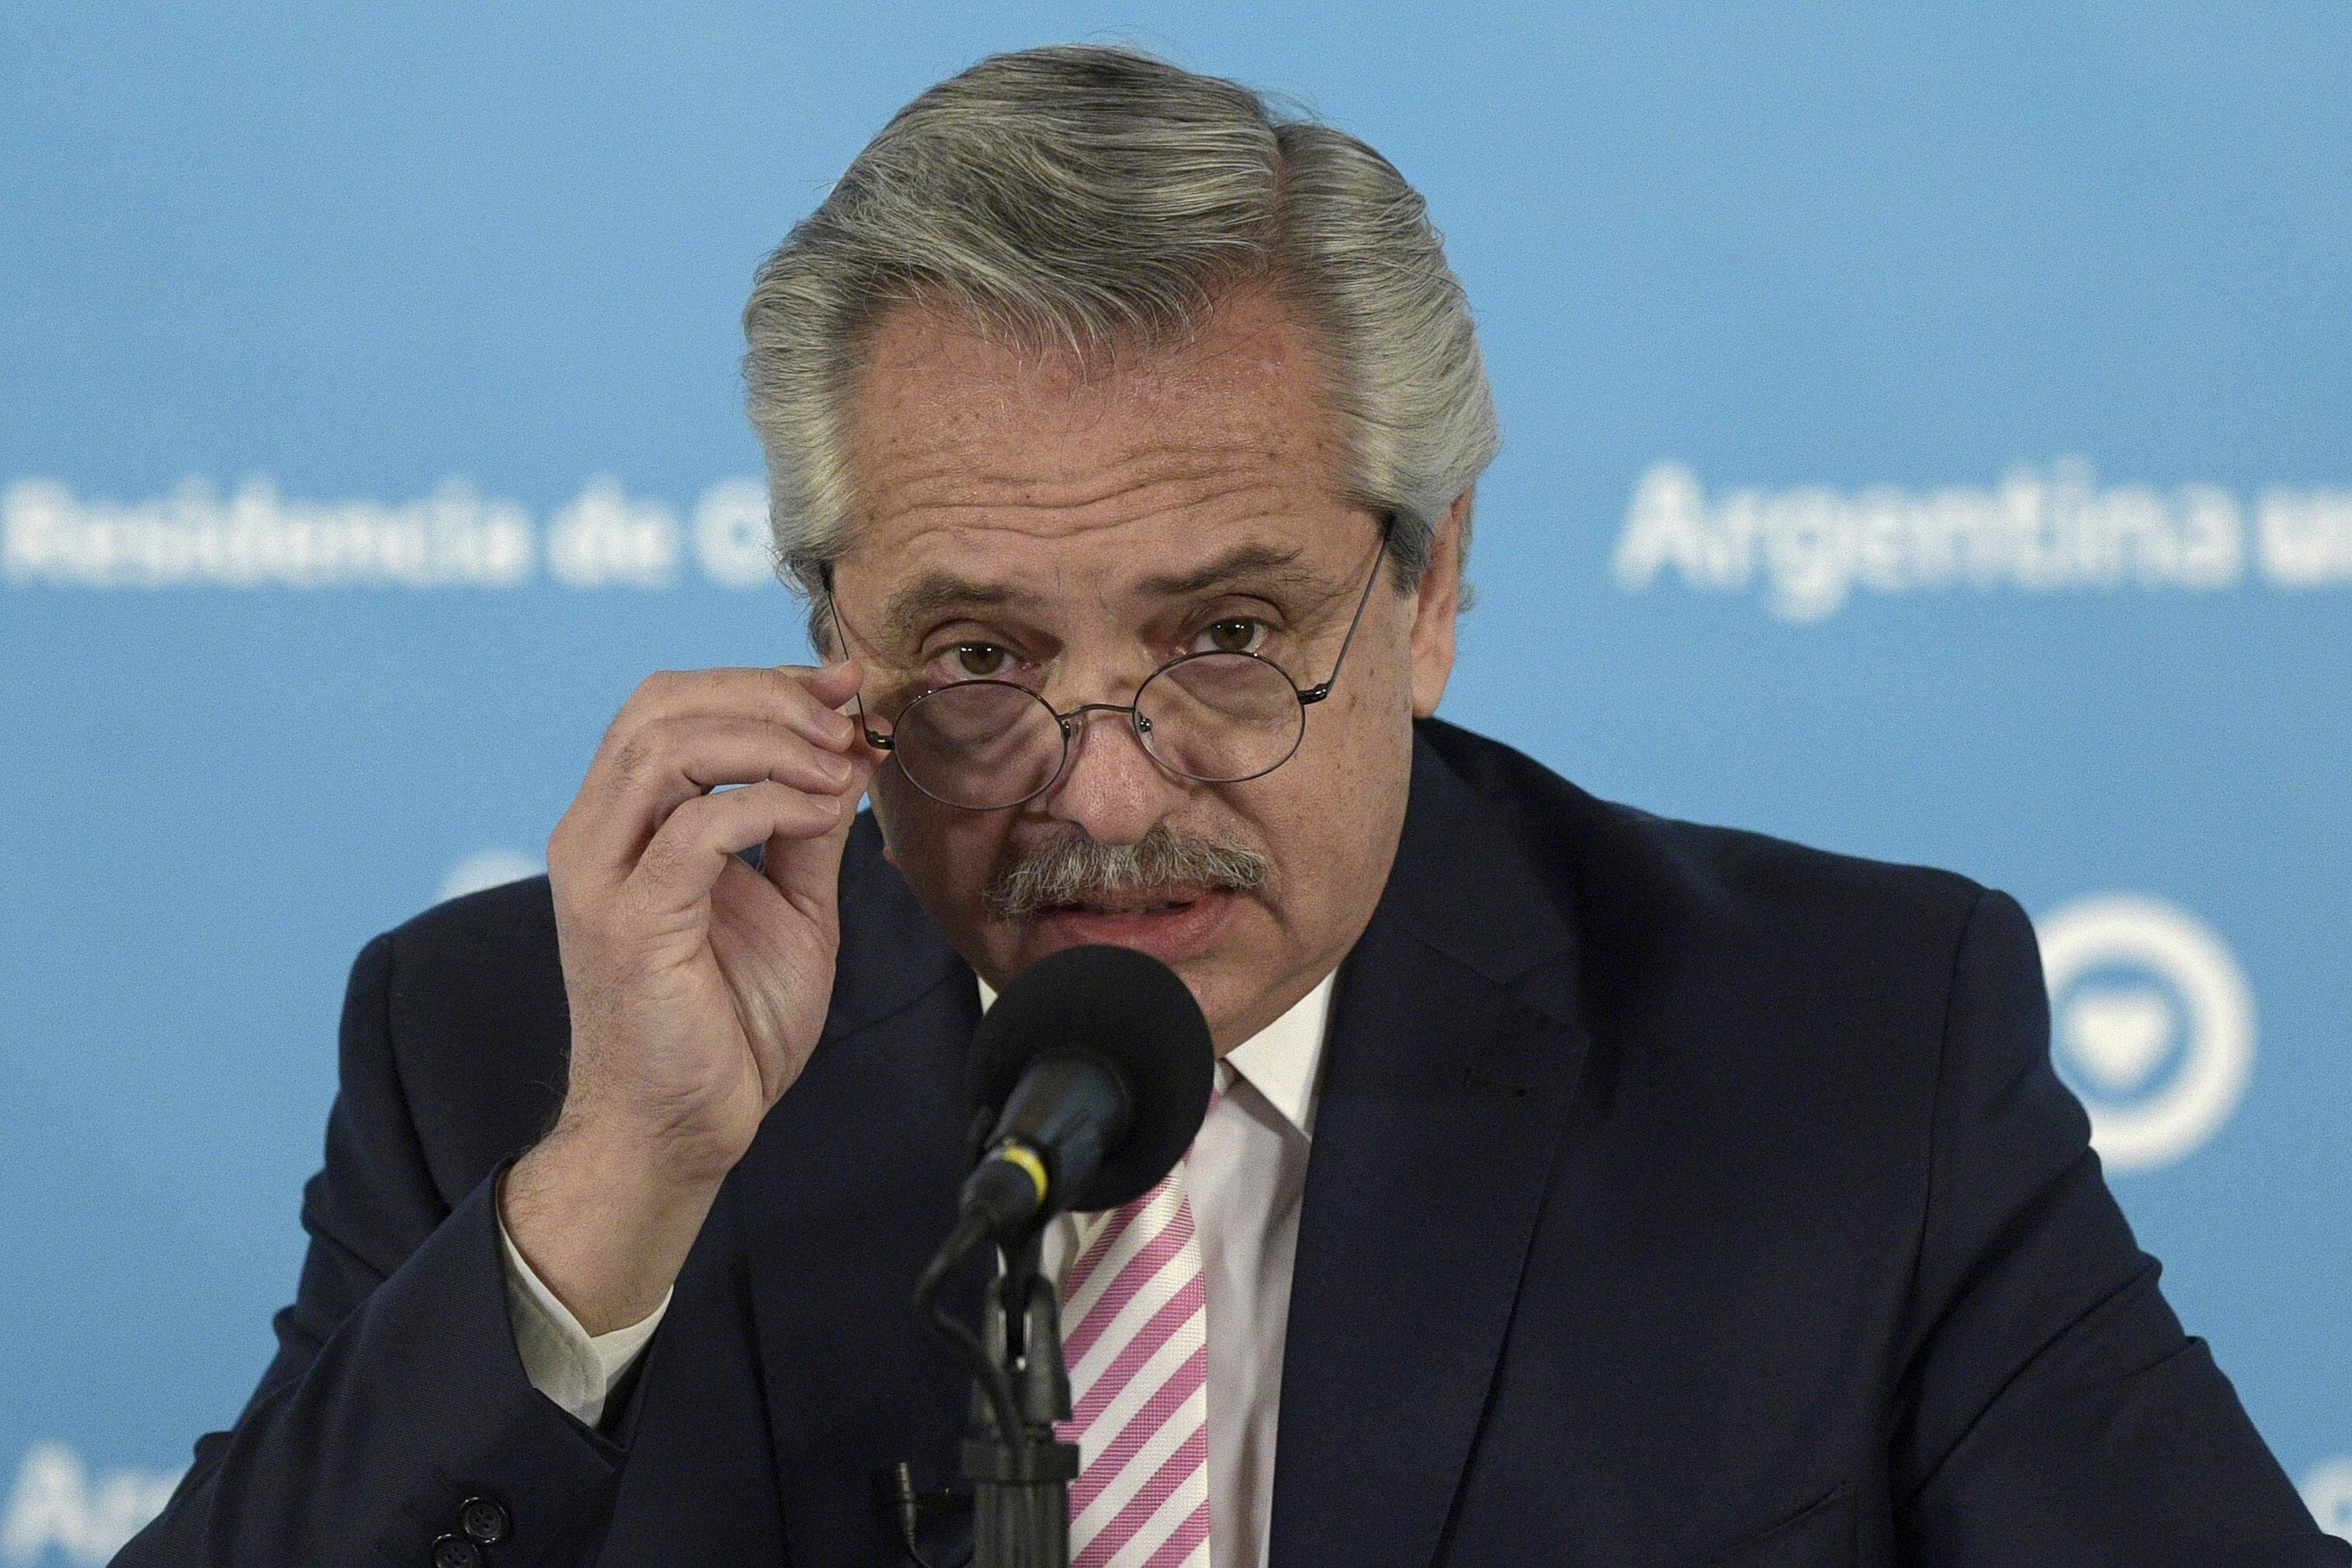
(1136, 1344)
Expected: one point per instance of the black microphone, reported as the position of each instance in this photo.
(1099, 1065)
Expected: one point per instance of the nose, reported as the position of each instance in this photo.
(1111, 787)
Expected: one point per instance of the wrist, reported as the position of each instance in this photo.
(604, 1222)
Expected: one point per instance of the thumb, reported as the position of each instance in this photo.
(834, 684)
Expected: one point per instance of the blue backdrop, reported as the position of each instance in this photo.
(1926, 435)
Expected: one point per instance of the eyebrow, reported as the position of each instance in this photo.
(1254, 563)
(904, 618)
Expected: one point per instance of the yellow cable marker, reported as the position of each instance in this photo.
(1021, 1154)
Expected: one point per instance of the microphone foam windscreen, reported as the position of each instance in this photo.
(1122, 1007)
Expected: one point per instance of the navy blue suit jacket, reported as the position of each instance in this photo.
(1680, 1198)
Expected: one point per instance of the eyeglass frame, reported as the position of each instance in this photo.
(1068, 723)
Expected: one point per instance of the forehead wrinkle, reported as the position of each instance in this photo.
(1042, 522)
(947, 429)
(1145, 481)
(1248, 505)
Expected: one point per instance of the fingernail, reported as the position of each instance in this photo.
(836, 769)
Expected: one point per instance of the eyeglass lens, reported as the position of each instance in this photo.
(1216, 716)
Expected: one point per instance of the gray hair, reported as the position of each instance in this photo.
(1083, 199)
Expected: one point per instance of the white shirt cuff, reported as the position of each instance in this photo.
(562, 1359)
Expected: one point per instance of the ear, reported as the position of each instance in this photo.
(1437, 601)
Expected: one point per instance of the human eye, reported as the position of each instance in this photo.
(972, 659)
(1232, 634)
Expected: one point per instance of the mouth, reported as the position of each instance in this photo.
(1160, 907)
(1169, 926)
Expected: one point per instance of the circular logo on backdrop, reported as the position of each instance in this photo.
(490, 868)
(2152, 1025)
(2327, 1492)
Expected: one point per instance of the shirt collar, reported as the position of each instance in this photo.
(1280, 1061)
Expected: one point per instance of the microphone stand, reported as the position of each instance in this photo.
(1021, 1479)
(1020, 1472)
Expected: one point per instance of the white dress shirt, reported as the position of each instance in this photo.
(1247, 1174)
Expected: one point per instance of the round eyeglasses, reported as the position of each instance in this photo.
(1217, 717)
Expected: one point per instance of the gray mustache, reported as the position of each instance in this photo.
(1079, 870)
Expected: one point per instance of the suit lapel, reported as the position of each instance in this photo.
(1454, 1052)
(849, 1188)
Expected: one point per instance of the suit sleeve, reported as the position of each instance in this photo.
(2054, 1412)
(397, 1395)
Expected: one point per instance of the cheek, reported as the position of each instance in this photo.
(1343, 806)
(943, 853)
(1322, 815)
(1359, 741)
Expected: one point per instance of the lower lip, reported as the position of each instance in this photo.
(1169, 935)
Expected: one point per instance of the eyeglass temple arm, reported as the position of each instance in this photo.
(1322, 689)
(874, 738)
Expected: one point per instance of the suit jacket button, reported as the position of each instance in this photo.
(484, 1521)
(456, 1552)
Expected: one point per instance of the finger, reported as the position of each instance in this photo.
(684, 859)
(781, 693)
(807, 870)
(668, 761)
(772, 972)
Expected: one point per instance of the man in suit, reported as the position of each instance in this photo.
(1582, 1187)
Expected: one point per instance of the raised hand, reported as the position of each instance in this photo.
(697, 986)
